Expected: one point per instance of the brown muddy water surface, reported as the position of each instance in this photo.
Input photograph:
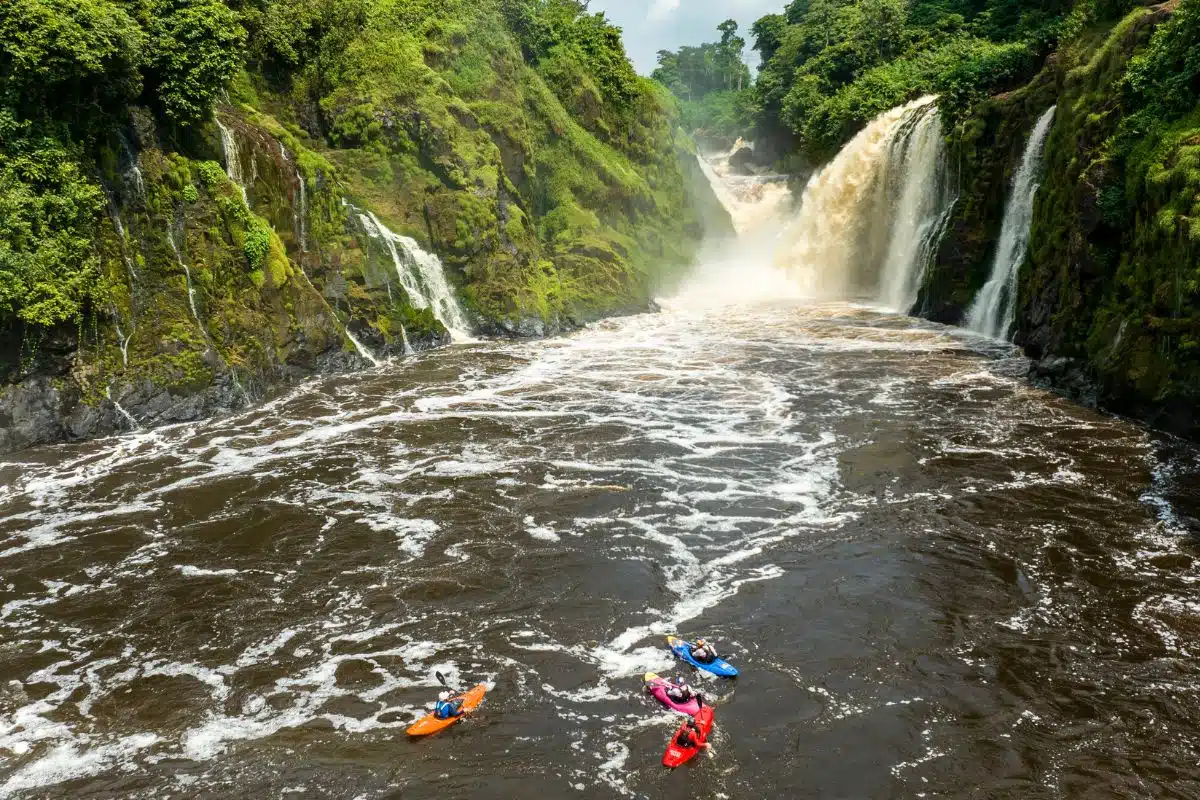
(937, 580)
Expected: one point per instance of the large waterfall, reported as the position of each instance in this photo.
(994, 310)
(870, 219)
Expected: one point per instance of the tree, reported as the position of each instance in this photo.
(729, 55)
(68, 58)
(768, 35)
(195, 48)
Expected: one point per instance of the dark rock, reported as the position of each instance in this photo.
(31, 413)
(742, 161)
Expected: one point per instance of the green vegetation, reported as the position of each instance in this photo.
(511, 137)
(829, 66)
(712, 83)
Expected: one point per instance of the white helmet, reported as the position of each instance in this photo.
(444, 696)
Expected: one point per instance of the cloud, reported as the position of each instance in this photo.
(661, 10)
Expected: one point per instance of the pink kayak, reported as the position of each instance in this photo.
(658, 687)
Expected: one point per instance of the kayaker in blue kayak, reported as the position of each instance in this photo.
(704, 652)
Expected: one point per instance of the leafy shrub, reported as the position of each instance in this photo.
(258, 244)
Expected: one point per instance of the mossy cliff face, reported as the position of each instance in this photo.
(1108, 304)
(1108, 300)
(260, 246)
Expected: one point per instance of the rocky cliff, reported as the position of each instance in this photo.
(1108, 305)
(430, 174)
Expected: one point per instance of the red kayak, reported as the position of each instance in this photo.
(678, 755)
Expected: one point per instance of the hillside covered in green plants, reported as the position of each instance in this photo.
(202, 199)
(1108, 296)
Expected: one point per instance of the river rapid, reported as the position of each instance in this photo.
(936, 579)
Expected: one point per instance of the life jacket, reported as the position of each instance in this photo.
(444, 709)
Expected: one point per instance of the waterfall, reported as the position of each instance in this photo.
(362, 349)
(123, 339)
(133, 173)
(115, 213)
(870, 219)
(191, 292)
(755, 202)
(995, 308)
(120, 410)
(238, 385)
(233, 162)
(300, 210)
(925, 198)
(421, 274)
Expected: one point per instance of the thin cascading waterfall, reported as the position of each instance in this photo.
(995, 309)
(115, 214)
(120, 409)
(300, 210)
(853, 237)
(133, 173)
(123, 339)
(919, 202)
(422, 276)
(187, 273)
(362, 349)
(233, 161)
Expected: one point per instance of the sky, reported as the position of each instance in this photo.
(653, 25)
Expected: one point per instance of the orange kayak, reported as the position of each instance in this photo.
(431, 724)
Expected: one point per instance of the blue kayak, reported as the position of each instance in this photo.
(683, 649)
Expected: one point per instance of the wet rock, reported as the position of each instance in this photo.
(742, 161)
(31, 413)
(1068, 376)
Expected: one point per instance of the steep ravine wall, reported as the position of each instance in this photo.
(1107, 298)
(233, 271)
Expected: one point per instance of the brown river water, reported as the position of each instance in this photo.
(937, 580)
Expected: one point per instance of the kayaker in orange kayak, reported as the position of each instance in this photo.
(446, 708)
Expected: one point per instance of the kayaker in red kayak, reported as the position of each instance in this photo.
(690, 736)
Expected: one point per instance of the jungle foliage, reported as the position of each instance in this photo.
(829, 66)
(423, 85)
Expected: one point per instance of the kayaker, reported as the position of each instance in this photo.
(679, 691)
(445, 708)
(690, 736)
(704, 652)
